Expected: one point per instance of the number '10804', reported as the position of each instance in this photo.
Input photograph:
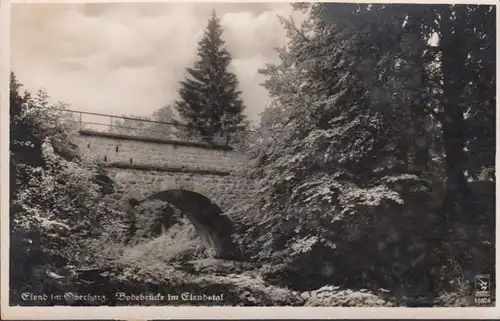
(482, 300)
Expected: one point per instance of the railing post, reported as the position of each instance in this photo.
(111, 124)
(80, 121)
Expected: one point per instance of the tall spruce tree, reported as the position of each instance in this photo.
(210, 102)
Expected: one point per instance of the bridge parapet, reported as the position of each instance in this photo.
(129, 150)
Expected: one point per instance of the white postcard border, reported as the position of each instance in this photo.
(148, 313)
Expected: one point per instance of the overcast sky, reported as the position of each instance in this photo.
(127, 58)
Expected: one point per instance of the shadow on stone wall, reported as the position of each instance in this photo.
(214, 228)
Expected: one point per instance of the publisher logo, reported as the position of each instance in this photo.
(482, 289)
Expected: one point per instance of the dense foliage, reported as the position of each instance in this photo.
(370, 113)
(57, 205)
(210, 101)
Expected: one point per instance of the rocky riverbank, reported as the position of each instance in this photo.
(206, 282)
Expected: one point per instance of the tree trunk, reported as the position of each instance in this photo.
(420, 145)
(454, 55)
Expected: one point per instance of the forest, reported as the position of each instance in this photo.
(375, 163)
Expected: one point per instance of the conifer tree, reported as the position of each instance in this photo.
(364, 117)
(210, 102)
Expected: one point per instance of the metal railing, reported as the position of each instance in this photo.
(139, 127)
(112, 123)
(131, 126)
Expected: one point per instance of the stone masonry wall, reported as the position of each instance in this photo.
(139, 184)
(123, 149)
(141, 167)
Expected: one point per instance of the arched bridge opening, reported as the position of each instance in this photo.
(214, 228)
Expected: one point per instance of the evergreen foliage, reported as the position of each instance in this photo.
(210, 101)
(363, 128)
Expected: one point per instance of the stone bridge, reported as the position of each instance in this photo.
(200, 179)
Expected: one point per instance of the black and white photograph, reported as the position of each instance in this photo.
(269, 154)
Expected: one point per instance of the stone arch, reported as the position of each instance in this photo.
(214, 228)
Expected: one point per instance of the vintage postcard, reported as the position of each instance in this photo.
(198, 160)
